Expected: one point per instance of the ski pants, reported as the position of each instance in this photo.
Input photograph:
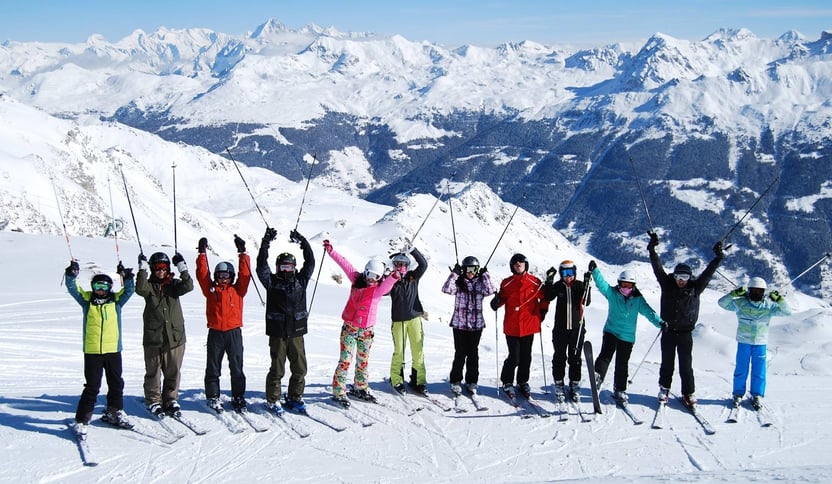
(359, 340)
(755, 356)
(94, 365)
(519, 358)
(162, 373)
(680, 344)
(280, 349)
(567, 345)
(402, 331)
(466, 354)
(611, 345)
(225, 343)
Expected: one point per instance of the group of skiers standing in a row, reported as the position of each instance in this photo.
(525, 298)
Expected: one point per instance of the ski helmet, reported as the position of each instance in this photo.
(471, 261)
(627, 276)
(400, 258)
(374, 270)
(682, 269)
(101, 278)
(285, 259)
(518, 258)
(224, 267)
(159, 258)
(566, 266)
(757, 282)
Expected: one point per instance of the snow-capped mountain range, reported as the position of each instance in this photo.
(704, 127)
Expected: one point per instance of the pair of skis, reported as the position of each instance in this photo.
(764, 417)
(659, 420)
(459, 398)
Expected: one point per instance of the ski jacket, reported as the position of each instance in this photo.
(569, 309)
(522, 295)
(623, 311)
(164, 325)
(286, 313)
(679, 307)
(362, 305)
(468, 302)
(224, 302)
(405, 293)
(753, 318)
(101, 332)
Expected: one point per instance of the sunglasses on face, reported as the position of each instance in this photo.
(682, 277)
(100, 286)
(222, 275)
(568, 273)
(400, 264)
(626, 285)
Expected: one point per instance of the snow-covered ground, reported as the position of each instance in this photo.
(41, 379)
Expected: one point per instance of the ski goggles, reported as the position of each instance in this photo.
(222, 275)
(286, 267)
(472, 269)
(100, 286)
(372, 276)
(567, 273)
(400, 264)
(681, 277)
(160, 267)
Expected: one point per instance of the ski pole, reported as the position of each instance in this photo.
(725, 237)
(516, 208)
(308, 179)
(253, 281)
(828, 254)
(315, 288)
(643, 200)
(543, 361)
(453, 229)
(645, 356)
(585, 300)
(234, 162)
(175, 244)
(130, 204)
(413, 237)
(113, 215)
(497, 352)
(61, 215)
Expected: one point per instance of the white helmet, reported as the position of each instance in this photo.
(757, 282)
(627, 276)
(374, 269)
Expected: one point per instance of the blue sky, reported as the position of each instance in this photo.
(448, 22)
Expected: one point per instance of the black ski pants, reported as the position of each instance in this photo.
(466, 354)
(94, 365)
(611, 345)
(680, 344)
(519, 358)
(567, 345)
(222, 343)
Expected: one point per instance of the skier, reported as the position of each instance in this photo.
(101, 335)
(680, 309)
(754, 314)
(406, 315)
(164, 329)
(470, 284)
(286, 319)
(224, 313)
(568, 331)
(522, 295)
(359, 317)
(625, 304)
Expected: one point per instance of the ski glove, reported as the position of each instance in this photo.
(495, 302)
(240, 243)
(73, 269)
(295, 236)
(592, 265)
(739, 292)
(270, 235)
(719, 250)
(550, 275)
(483, 270)
(179, 262)
(203, 244)
(654, 241)
(776, 297)
(327, 246)
(457, 269)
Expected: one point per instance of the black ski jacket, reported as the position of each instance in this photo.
(405, 293)
(680, 306)
(286, 313)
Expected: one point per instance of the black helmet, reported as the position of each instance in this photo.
(158, 258)
(518, 258)
(285, 258)
(224, 267)
(471, 261)
(682, 269)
